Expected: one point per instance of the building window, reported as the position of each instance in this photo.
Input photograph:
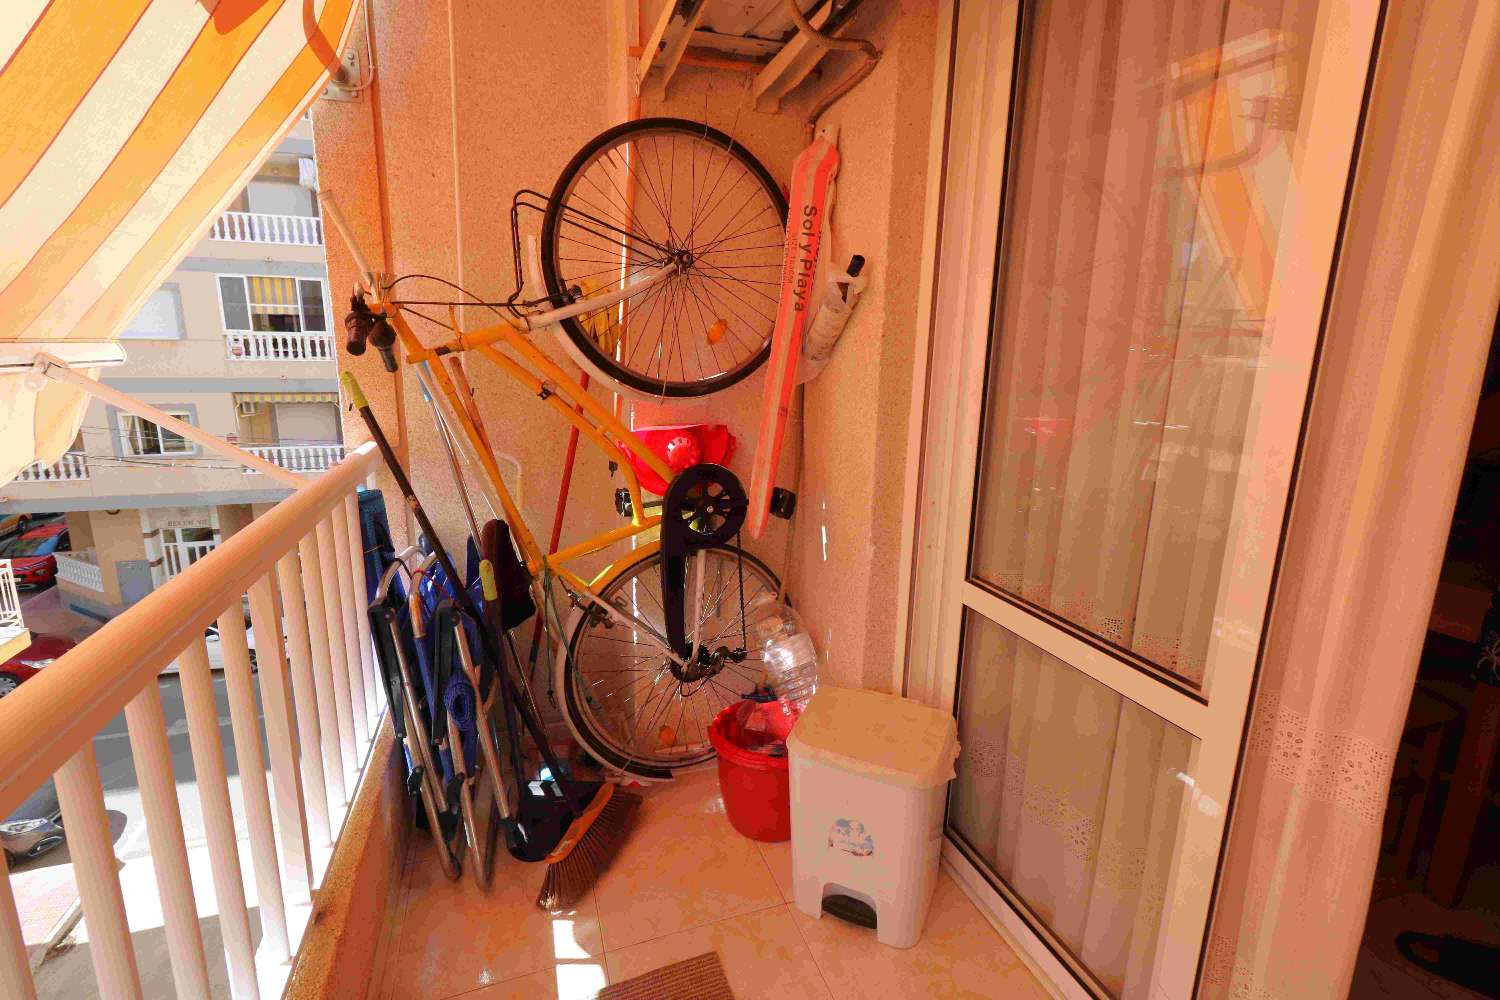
(142, 437)
(159, 319)
(272, 304)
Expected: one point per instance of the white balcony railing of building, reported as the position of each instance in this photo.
(319, 692)
(81, 569)
(258, 227)
(296, 457)
(178, 556)
(73, 465)
(10, 599)
(258, 345)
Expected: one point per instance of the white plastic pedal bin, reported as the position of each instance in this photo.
(869, 773)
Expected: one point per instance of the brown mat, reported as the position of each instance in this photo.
(700, 978)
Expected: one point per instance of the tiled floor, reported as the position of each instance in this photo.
(685, 883)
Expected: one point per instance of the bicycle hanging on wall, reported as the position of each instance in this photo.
(660, 252)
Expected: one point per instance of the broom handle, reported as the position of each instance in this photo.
(562, 506)
(493, 647)
(357, 396)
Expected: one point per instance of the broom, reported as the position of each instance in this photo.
(577, 831)
(598, 815)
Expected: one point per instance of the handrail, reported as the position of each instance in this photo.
(93, 682)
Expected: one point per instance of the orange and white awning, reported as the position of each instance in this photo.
(126, 127)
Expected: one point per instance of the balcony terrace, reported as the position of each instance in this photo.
(72, 467)
(14, 635)
(261, 227)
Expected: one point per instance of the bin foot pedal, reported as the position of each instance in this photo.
(850, 910)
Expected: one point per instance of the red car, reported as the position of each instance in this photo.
(43, 650)
(31, 554)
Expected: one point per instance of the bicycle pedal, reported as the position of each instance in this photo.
(783, 503)
(622, 501)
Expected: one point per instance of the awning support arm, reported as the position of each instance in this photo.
(51, 367)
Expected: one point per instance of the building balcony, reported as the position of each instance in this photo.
(297, 457)
(13, 634)
(261, 345)
(73, 466)
(259, 227)
(278, 781)
(80, 569)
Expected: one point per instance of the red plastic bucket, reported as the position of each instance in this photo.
(754, 785)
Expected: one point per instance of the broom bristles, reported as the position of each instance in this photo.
(593, 848)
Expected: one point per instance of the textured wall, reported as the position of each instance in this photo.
(846, 566)
(464, 112)
(473, 101)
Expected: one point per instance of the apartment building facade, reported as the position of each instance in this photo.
(238, 341)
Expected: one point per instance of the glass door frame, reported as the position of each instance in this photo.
(986, 55)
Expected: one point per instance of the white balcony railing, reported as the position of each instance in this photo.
(81, 569)
(10, 600)
(301, 566)
(257, 345)
(296, 457)
(73, 465)
(258, 227)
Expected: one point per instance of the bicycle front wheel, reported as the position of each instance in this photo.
(665, 192)
(624, 699)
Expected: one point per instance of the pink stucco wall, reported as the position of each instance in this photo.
(474, 100)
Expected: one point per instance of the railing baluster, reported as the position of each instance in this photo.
(81, 797)
(218, 817)
(306, 700)
(358, 707)
(153, 768)
(361, 588)
(281, 737)
(333, 616)
(254, 792)
(329, 720)
(15, 974)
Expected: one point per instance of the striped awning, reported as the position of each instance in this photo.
(273, 294)
(129, 126)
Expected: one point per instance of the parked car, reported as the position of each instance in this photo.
(32, 554)
(14, 524)
(216, 651)
(34, 828)
(43, 650)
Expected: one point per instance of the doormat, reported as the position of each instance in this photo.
(700, 978)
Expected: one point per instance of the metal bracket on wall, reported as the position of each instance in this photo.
(344, 85)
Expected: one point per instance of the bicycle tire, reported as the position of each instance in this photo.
(591, 732)
(580, 343)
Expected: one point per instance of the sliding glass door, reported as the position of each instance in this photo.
(1141, 214)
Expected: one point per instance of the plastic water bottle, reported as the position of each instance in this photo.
(788, 656)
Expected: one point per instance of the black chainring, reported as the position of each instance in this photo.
(704, 507)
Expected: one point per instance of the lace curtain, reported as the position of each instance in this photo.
(1071, 794)
(1405, 344)
(1150, 176)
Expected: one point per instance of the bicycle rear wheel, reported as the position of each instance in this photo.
(667, 192)
(622, 697)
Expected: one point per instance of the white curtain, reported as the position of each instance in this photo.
(1149, 175)
(1071, 794)
(1150, 163)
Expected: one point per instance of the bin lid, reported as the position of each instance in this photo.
(882, 736)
